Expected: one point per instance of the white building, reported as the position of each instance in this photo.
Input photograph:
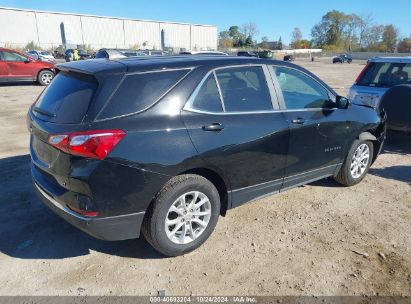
(51, 29)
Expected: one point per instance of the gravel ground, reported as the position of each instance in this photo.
(301, 242)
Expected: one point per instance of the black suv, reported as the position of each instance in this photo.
(165, 145)
(342, 58)
(247, 54)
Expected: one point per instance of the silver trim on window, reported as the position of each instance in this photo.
(189, 70)
(219, 91)
(274, 100)
(280, 92)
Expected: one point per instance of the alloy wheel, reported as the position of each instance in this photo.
(188, 217)
(46, 78)
(360, 161)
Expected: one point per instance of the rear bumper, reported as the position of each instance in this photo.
(113, 228)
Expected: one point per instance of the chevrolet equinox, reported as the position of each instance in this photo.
(164, 145)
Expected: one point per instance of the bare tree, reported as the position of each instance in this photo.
(250, 30)
(373, 36)
(296, 35)
(363, 23)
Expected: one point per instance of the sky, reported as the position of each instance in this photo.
(273, 18)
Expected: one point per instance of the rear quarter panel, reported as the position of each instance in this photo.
(362, 119)
(156, 147)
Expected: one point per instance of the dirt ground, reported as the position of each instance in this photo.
(297, 243)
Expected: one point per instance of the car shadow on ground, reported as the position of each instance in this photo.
(29, 230)
(399, 173)
(19, 84)
(397, 143)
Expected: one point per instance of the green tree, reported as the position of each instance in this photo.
(331, 30)
(249, 42)
(390, 37)
(237, 36)
(280, 44)
(224, 40)
(404, 46)
(31, 46)
(301, 44)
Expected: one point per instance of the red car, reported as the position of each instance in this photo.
(17, 66)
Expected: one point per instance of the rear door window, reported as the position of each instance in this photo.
(385, 74)
(67, 98)
(137, 92)
(244, 89)
(208, 97)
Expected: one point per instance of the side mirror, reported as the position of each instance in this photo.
(342, 102)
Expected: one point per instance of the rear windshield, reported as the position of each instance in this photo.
(384, 74)
(67, 98)
(138, 92)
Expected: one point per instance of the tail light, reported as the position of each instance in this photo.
(93, 144)
(362, 73)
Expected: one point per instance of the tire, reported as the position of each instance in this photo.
(45, 77)
(346, 176)
(154, 225)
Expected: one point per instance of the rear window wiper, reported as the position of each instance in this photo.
(44, 112)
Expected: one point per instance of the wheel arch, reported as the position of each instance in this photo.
(218, 181)
(44, 69)
(367, 135)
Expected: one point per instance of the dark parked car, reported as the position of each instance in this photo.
(265, 54)
(83, 55)
(247, 54)
(59, 54)
(165, 145)
(342, 58)
(17, 66)
(289, 58)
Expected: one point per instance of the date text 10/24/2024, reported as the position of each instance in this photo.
(203, 299)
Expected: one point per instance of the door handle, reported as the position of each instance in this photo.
(298, 121)
(213, 127)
